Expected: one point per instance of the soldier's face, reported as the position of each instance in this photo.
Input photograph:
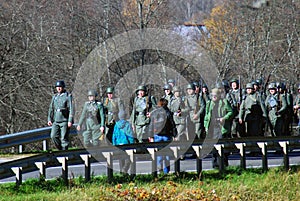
(272, 91)
(110, 95)
(190, 91)
(167, 91)
(91, 98)
(176, 93)
(204, 90)
(214, 97)
(59, 89)
(234, 85)
(141, 93)
(249, 90)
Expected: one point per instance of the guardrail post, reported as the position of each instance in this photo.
(20, 148)
(220, 150)
(18, 173)
(87, 166)
(286, 161)
(241, 147)
(177, 161)
(133, 161)
(64, 164)
(263, 147)
(197, 149)
(42, 169)
(152, 152)
(109, 162)
(45, 145)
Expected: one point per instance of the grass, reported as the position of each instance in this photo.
(235, 184)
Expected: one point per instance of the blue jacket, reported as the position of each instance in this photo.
(123, 133)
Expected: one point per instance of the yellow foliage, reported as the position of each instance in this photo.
(221, 29)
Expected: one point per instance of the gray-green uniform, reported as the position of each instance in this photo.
(253, 113)
(297, 108)
(138, 117)
(112, 107)
(93, 117)
(237, 130)
(276, 107)
(60, 113)
(177, 103)
(194, 105)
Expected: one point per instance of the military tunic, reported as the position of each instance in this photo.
(112, 108)
(237, 129)
(138, 117)
(60, 113)
(253, 113)
(194, 106)
(93, 117)
(276, 107)
(297, 111)
(177, 104)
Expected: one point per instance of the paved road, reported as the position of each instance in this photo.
(145, 167)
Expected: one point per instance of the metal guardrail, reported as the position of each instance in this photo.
(108, 154)
(30, 136)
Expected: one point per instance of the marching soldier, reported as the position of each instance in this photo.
(276, 107)
(140, 116)
(92, 118)
(195, 109)
(205, 93)
(252, 112)
(60, 116)
(176, 105)
(112, 106)
(288, 115)
(297, 108)
(168, 93)
(237, 130)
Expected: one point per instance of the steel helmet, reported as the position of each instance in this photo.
(110, 90)
(60, 83)
(92, 92)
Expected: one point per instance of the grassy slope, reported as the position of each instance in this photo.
(251, 184)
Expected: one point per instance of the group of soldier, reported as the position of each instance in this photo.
(227, 111)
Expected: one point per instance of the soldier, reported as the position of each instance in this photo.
(112, 106)
(297, 108)
(176, 105)
(168, 93)
(60, 116)
(252, 112)
(197, 87)
(195, 109)
(217, 121)
(205, 93)
(237, 130)
(140, 116)
(288, 115)
(276, 107)
(171, 82)
(92, 118)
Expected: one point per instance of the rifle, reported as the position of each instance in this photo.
(148, 100)
(198, 95)
(240, 94)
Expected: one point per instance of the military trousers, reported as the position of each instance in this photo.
(92, 133)
(140, 132)
(181, 134)
(60, 135)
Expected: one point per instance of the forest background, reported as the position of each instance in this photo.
(44, 41)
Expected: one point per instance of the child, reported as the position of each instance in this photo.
(123, 134)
